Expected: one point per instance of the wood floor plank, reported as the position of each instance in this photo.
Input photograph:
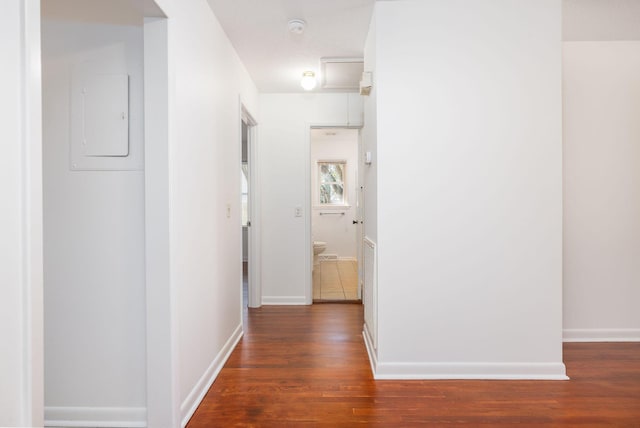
(307, 366)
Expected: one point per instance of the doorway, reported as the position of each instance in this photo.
(251, 293)
(335, 214)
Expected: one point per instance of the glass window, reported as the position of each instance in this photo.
(331, 182)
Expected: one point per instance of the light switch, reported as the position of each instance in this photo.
(298, 211)
(228, 210)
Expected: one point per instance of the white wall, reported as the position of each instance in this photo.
(602, 190)
(338, 231)
(21, 388)
(469, 147)
(94, 238)
(369, 177)
(207, 81)
(284, 176)
(369, 136)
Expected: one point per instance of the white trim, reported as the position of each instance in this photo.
(99, 417)
(284, 300)
(368, 343)
(193, 400)
(601, 335)
(483, 371)
(31, 215)
(370, 289)
(480, 371)
(254, 233)
(308, 204)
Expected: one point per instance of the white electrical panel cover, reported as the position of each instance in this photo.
(105, 115)
(105, 133)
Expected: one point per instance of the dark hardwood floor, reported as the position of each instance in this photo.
(307, 366)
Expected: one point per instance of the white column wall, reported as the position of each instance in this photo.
(469, 149)
(207, 82)
(601, 82)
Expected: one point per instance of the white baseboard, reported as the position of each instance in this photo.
(480, 371)
(284, 300)
(368, 344)
(193, 400)
(601, 335)
(98, 417)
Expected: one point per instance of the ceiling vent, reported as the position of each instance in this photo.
(341, 73)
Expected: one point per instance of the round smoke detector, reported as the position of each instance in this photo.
(297, 26)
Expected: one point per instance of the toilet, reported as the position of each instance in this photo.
(318, 248)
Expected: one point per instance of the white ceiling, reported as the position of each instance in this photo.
(276, 58)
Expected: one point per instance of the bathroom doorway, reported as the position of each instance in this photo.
(335, 214)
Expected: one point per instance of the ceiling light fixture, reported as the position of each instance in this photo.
(308, 81)
(297, 26)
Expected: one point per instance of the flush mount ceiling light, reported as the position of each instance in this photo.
(297, 26)
(308, 81)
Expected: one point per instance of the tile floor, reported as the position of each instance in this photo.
(335, 280)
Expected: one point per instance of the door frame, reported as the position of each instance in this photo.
(360, 214)
(254, 255)
(308, 203)
(24, 186)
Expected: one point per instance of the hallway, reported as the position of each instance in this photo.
(307, 366)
